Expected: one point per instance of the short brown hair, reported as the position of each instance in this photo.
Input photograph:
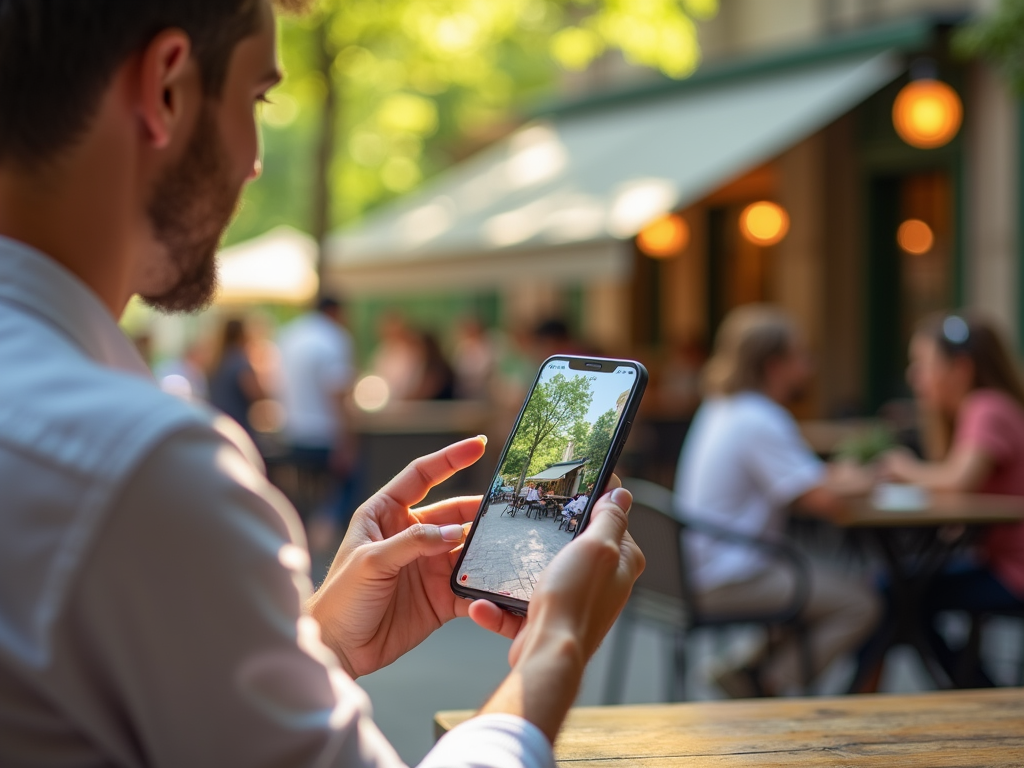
(749, 338)
(58, 56)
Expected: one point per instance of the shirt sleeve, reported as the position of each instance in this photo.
(190, 642)
(492, 741)
(984, 424)
(188, 619)
(781, 463)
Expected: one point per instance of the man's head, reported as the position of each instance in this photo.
(759, 349)
(142, 113)
(331, 307)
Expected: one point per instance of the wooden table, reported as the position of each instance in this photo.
(941, 509)
(934, 730)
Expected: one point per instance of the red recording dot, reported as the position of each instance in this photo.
(464, 577)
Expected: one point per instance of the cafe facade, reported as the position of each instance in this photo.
(790, 175)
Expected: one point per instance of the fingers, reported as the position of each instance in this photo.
(457, 510)
(416, 541)
(411, 485)
(609, 519)
(492, 618)
(613, 483)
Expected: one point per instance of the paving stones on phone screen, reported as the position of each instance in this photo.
(508, 553)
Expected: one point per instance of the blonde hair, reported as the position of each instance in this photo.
(748, 339)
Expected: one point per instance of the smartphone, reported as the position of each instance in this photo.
(552, 470)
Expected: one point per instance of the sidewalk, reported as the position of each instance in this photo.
(508, 553)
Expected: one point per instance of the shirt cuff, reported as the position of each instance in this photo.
(492, 741)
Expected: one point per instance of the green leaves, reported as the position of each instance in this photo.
(999, 38)
(555, 408)
(418, 82)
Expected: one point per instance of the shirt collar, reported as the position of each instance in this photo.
(42, 287)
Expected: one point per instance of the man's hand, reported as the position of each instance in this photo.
(577, 599)
(388, 588)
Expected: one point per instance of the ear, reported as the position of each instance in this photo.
(168, 80)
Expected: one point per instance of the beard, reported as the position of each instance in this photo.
(191, 206)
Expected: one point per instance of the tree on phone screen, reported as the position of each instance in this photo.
(554, 407)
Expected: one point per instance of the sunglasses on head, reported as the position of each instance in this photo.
(955, 332)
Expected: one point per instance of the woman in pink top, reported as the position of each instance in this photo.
(965, 378)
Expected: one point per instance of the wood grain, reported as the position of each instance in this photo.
(950, 728)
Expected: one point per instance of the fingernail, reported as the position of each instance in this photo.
(451, 532)
(622, 498)
(482, 437)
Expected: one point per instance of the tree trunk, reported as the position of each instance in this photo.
(526, 466)
(325, 148)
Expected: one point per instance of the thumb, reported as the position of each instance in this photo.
(416, 541)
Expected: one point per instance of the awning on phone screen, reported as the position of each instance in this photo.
(557, 471)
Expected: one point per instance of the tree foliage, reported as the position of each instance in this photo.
(553, 410)
(999, 38)
(403, 87)
(598, 444)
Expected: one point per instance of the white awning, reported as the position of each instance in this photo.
(557, 471)
(564, 192)
(278, 267)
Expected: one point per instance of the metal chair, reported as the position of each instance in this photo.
(664, 594)
(971, 660)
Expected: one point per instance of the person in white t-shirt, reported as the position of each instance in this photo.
(316, 377)
(743, 465)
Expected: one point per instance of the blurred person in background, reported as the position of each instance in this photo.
(437, 379)
(679, 383)
(474, 360)
(234, 386)
(186, 374)
(155, 591)
(399, 357)
(264, 355)
(743, 465)
(552, 337)
(316, 372)
(970, 390)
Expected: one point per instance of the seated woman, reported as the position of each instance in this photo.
(967, 382)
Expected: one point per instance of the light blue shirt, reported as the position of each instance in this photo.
(151, 579)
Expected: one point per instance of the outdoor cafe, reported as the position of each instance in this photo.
(512, 384)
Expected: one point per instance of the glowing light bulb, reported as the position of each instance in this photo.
(916, 237)
(927, 113)
(664, 237)
(764, 223)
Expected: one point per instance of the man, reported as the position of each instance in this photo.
(316, 376)
(743, 465)
(577, 506)
(154, 588)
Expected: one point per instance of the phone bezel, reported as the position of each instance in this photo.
(576, 362)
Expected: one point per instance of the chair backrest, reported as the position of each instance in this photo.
(658, 534)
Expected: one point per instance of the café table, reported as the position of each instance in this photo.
(916, 543)
(934, 730)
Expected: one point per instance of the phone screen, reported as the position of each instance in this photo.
(547, 476)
